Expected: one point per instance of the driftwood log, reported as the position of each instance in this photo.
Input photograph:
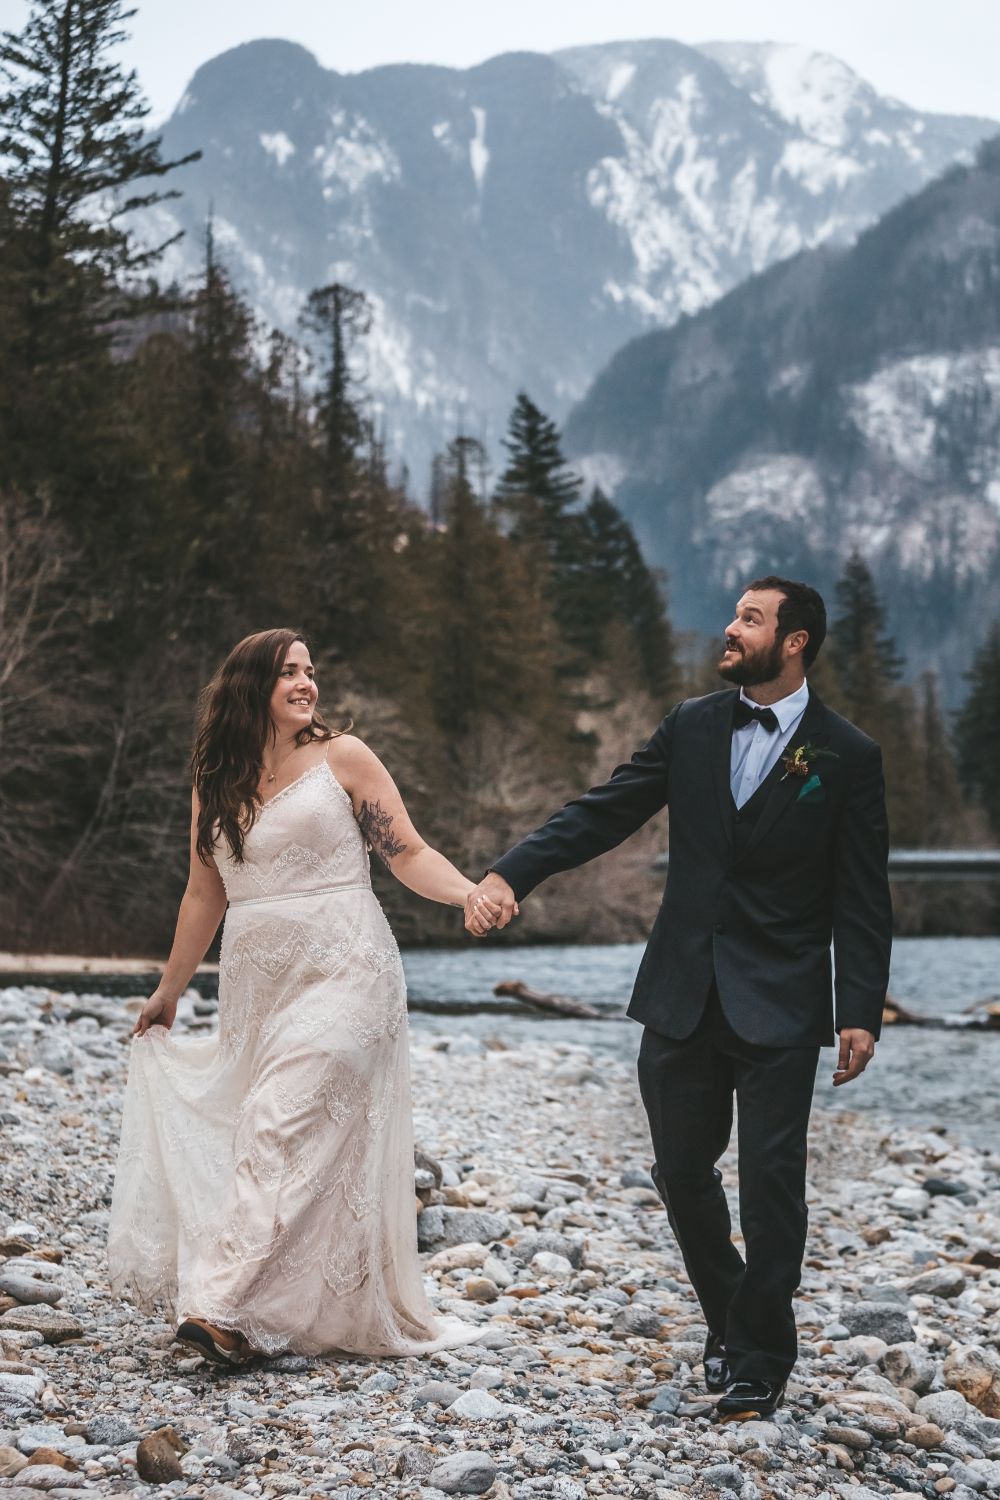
(515, 989)
(983, 1015)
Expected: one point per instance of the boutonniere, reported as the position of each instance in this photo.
(799, 762)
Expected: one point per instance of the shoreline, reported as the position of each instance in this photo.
(74, 963)
(539, 1223)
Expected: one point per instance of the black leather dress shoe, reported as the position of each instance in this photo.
(746, 1399)
(716, 1365)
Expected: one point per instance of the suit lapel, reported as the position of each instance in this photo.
(720, 756)
(784, 789)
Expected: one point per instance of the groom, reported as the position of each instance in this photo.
(778, 845)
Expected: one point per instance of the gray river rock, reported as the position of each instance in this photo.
(587, 1381)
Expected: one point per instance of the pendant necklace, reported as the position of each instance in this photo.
(272, 774)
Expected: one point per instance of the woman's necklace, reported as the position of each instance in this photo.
(272, 774)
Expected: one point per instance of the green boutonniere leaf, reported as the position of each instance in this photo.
(799, 761)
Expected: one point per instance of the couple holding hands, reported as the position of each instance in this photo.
(264, 1191)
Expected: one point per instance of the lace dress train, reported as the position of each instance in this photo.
(265, 1173)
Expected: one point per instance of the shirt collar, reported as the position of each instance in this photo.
(787, 709)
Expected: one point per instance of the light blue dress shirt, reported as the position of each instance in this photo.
(755, 752)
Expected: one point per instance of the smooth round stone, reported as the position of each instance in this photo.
(479, 1406)
(946, 1408)
(546, 1263)
(11, 1462)
(438, 1392)
(28, 1290)
(481, 1289)
(947, 1281)
(469, 1473)
(910, 1202)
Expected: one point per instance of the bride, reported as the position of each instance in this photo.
(264, 1189)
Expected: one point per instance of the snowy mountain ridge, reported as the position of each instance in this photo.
(847, 399)
(516, 222)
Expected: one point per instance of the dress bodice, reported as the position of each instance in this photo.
(306, 840)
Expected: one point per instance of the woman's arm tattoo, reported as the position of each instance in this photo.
(376, 826)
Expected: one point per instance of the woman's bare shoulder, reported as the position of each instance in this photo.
(347, 753)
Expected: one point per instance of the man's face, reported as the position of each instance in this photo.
(753, 653)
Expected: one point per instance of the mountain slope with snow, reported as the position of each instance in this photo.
(515, 223)
(844, 399)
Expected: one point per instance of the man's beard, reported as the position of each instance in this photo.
(750, 671)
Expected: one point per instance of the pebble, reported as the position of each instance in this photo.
(881, 1320)
(948, 1281)
(587, 1380)
(546, 1263)
(481, 1289)
(479, 1406)
(909, 1365)
(28, 1289)
(51, 1322)
(109, 1430)
(469, 1473)
(440, 1392)
(975, 1374)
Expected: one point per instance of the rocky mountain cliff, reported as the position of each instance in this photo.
(517, 222)
(843, 399)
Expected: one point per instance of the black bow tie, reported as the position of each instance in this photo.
(745, 714)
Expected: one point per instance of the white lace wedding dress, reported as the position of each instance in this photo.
(265, 1175)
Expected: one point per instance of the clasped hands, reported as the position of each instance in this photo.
(491, 904)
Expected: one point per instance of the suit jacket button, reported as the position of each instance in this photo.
(720, 926)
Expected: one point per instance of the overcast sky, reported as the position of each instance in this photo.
(935, 54)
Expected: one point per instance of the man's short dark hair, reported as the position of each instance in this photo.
(801, 608)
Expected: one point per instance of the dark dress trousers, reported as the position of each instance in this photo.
(735, 988)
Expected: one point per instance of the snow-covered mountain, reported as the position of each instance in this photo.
(516, 222)
(847, 398)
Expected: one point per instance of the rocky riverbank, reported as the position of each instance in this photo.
(538, 1223)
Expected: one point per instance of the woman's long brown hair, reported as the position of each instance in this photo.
(233, 729)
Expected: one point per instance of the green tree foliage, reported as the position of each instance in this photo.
(173, 477)
(867, 671)
(77, 163)
(536, 488)
(491, 618)
(616, 596)
(337, 316)
(978, 730)
(860, 647)
(609, 606)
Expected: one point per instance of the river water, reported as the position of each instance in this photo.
(938, 1078)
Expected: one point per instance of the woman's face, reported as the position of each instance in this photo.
(295, 692)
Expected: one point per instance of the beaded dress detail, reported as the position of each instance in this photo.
(265, 1173)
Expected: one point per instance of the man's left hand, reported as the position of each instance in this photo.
(857, 1048)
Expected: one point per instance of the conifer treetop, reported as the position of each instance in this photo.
(78, 159)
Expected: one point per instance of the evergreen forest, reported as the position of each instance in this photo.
(173, 476)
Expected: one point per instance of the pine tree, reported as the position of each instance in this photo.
(945, 819)
(978, 729)
(77, 163)
(338, 316)
(859, 642)
(536, 489)
(867, 669)
(612, 586)
(224, 371)
(496, 655)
